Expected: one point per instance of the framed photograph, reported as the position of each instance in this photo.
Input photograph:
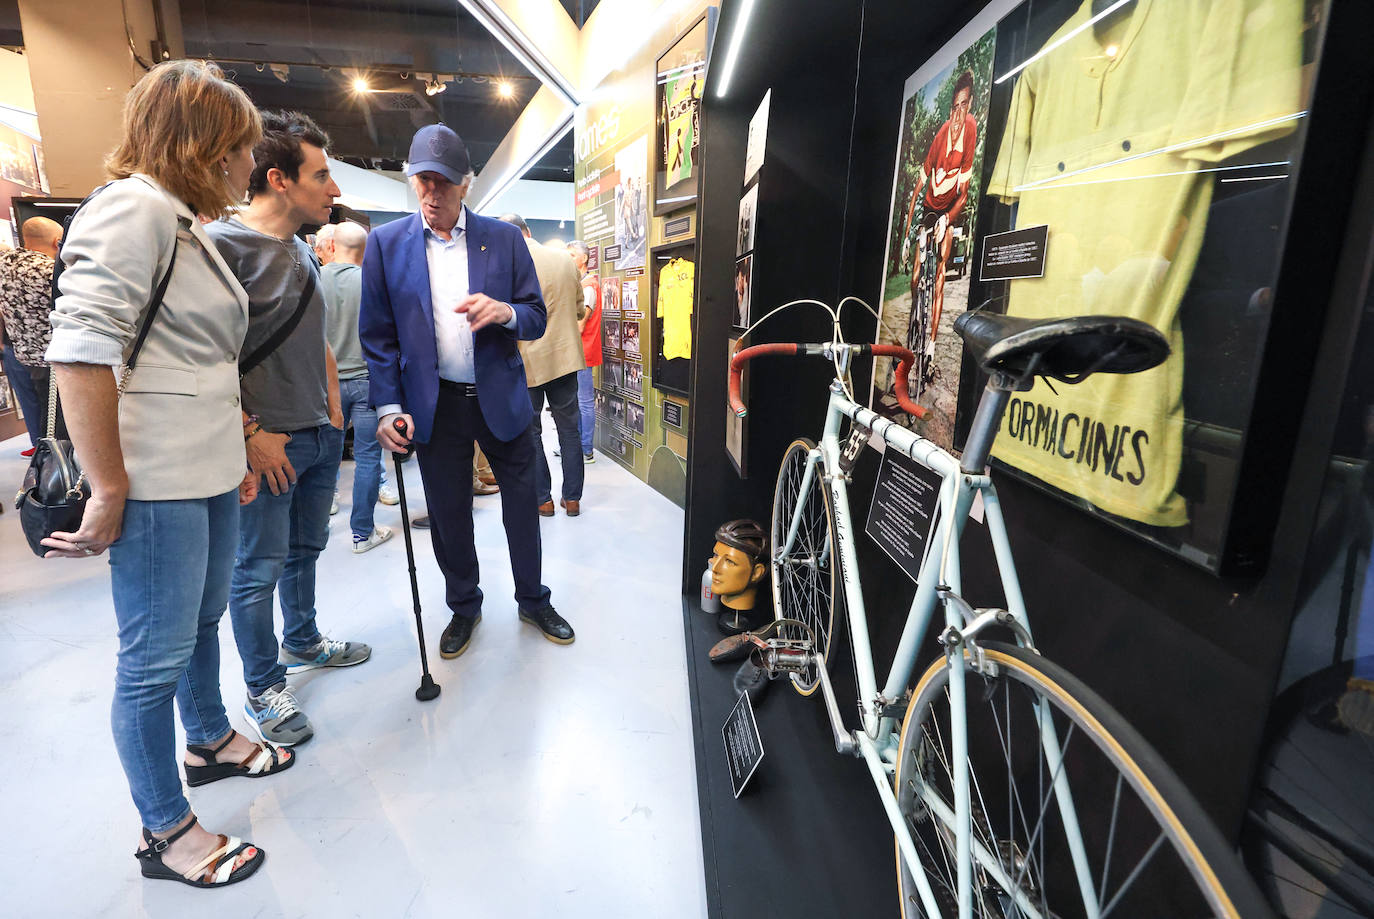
(634, 379)
(610, 334)
(629, 300)
(610, 296)
(634, 417)
(672, 292)
(603, 406)
(679, 79)
(629, 337)
(631, 208)
(736, 428)
(936, 199)
(748, 211)
(616, 405)
(758, 139)
(612, 374)
(744, 288)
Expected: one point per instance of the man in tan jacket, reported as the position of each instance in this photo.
(551, 365)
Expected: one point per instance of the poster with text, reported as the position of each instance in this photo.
(930, 245)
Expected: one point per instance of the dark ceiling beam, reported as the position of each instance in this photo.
(339, 31)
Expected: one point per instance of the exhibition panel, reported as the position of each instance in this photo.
(638, 163)
(1053, 159)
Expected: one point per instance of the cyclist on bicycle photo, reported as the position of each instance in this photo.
(945, 175)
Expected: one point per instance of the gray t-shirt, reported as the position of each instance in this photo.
(289, 390)
(342, 283)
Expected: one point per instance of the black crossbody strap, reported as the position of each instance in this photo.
(283, 333)
(154, 306)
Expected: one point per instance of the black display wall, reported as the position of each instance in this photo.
(1188, 657)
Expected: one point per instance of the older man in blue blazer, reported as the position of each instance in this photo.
(446, 294)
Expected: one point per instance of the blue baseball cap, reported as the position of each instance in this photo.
(437, 148)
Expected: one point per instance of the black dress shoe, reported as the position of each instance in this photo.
(457, 636)
(751, 679)
(547, 620)
(421, 523)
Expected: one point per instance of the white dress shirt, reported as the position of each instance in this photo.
(447, 260)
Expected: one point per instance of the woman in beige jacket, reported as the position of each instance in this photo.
(165, 456)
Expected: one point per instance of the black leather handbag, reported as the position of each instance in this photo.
(55, 491)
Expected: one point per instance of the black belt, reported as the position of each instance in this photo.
(461, 389)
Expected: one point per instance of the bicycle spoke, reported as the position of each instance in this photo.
(1130, 878)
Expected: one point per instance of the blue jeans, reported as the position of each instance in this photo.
(562, 395)
(22, 384)
(367, 454)
(169, 573)
(586, 403)
(279, 541)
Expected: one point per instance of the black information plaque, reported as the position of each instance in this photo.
(611, 253)
(904, 503)
(672, 413)
(743, 745)
(678, 226)
(1014, 254)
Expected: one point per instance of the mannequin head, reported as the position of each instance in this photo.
(738, 563)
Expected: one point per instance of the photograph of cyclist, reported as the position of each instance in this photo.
(945, 175)
(935, 199)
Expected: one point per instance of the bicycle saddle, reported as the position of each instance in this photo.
(1067, 349)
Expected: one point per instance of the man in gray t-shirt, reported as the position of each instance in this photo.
(341, 280)
(293, 428)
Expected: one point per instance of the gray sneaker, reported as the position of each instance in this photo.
(277, 718)
(328, 653)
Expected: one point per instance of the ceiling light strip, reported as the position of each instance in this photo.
(736, 40)
(504, 30)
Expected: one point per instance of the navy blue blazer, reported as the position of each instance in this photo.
(396, 322)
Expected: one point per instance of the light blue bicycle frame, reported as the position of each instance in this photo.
(877, 739)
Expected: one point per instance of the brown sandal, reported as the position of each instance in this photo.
(268, 759)
(215, 870)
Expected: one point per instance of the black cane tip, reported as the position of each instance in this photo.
(428, 690)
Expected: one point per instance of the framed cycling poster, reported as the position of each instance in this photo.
(679, 78)
(930, 243)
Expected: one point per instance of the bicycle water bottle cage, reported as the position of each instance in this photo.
(1069, 349)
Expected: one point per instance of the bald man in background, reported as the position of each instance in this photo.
(26, 301)
(341, 282)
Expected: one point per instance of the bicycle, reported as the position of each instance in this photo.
(998, 805)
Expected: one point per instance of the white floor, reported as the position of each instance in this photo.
(544, 781)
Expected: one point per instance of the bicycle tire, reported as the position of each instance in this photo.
(1188, 869)
(803, 579)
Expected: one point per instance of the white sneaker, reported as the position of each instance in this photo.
(378, 536)
(334, 505)
(387, 495)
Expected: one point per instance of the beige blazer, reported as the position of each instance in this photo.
(180, 427)
(559, 352)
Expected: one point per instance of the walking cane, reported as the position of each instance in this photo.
(428, 688)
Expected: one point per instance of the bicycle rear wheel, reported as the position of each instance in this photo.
(1148, 849)
(804, 572)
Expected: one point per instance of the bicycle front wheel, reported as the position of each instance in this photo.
(1072, 813)
(804, 567)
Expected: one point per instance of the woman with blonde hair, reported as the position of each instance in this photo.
(162, 448)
